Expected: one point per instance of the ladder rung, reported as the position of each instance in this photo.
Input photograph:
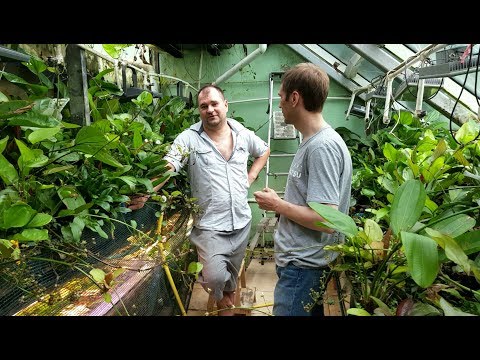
(278, 174)
(281, 155)
(253, 201)
(285, 138)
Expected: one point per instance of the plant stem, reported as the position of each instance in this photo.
(463, 287)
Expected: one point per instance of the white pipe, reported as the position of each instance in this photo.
(245, 61)
(367, 109)
(420, 91)
(388, 96)
(350, 105)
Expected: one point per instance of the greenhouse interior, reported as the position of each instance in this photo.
(87, 130)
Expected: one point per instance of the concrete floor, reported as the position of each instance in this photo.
(261, 277)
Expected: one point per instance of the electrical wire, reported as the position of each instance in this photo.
(458, 99)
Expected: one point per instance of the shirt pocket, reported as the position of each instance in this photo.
(202, 157)
(240, 156)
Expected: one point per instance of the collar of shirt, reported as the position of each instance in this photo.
(234, 124)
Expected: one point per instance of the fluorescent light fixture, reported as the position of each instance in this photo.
(408, 89)
(449, 63)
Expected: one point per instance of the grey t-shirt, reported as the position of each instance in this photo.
(321, 171)
(221, 186)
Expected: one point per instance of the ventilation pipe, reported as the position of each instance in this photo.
(245, 61)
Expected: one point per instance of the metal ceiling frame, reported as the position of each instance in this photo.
(441, 102)
(382, 58)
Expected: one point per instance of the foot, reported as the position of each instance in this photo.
(226, 303)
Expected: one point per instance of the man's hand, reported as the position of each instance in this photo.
(138, 201)
(267, 199)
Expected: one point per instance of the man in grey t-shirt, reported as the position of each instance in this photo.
(321, 171)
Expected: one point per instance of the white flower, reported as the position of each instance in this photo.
(157, 142)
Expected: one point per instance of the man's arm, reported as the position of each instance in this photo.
(257, 166)
(268, 199)
(137, 202)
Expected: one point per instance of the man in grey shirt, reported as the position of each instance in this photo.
(321, 171)
(216, 150)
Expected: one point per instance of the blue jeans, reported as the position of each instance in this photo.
(293, 291)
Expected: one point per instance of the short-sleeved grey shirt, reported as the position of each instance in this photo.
(220, 186)
(321, 171)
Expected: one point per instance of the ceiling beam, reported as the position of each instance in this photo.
(313, 53)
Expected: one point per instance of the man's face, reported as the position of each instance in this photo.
(212, 107)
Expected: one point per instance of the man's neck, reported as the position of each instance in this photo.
(219, 132)
(311, 124)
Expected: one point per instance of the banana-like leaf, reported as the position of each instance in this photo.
(407, 205)
(422, 257)
(453, 251)
(335, 219)
(455, 226)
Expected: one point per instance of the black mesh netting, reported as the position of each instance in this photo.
(44, 287)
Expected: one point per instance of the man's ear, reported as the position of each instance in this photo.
(295, 96)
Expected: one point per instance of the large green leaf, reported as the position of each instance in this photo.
(34, 119)
(90, 140)
(358, 312)
(38, 90)
(467, 132)
(455, 225)
(105, 157)
(18, 215)
(40, 219)
(450, 310)
(12, 108)
(335, 219)
(407, 205)
(470, 242)
(453, 251)
(422, 257)
(29, 158)
(8, 172)
(373, 231)
(70, 197)
(3, 143)
(42, 134)
(32, 235)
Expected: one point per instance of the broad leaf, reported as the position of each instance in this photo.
(42, 134)
(470, 242)
(357, 312)
(18, 215)
(422, 257)
(455, 225)
(407, 205)
(373, 231)
(40, 219)
(449, 310)
(98, 275)
(453, 251)
(32, 235)
(8, 173)
(335, 219)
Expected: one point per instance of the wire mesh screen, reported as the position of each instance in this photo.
(48, 287)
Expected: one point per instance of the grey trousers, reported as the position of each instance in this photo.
(221, 254)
